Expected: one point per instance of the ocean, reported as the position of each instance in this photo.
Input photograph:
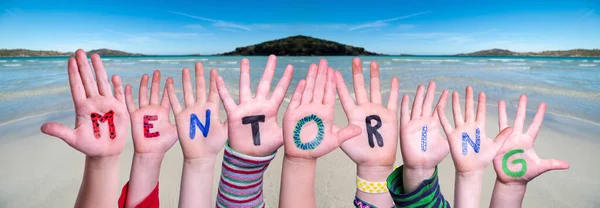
(32, 87)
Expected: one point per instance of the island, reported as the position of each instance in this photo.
(41, 53)
(564, 53)
(299, 45)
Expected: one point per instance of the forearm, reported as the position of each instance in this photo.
(413, 177)
(298, 183)
(145, 170)
(99, 187)
(375, 174)
(196, 183)
(508, 195)
(467, 190)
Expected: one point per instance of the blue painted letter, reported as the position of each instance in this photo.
(194, 121)
(466, 139)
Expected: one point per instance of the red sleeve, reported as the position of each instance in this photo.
(151, 201)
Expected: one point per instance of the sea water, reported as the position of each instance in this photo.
(30, 87)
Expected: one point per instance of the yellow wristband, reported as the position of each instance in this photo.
(371, 187)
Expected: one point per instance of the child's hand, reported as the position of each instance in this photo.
(151, 127)
(517, 162)
(377, 143)
(423, 146)
(101, 118)
(308, 128)
(201, 133)
(252, 125)
(471, 149)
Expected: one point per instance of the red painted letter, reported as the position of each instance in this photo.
(148, 126)
(108, 116)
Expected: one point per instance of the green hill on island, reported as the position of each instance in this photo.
(299, 46)
(38, 53)
(565, 53)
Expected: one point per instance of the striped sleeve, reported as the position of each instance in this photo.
(242, 179)
(426, 195)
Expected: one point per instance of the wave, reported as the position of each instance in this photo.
(596, 61)
(475, 63)
(517, 64)
(2, 61)
(12, 65)
(587, 65)
(61, 61)
(541, 61)
(507, 60)
(222, 62)
(203, 59)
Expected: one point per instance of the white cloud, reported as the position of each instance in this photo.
(195, 26)
(383, 23)
(9, 12)
(405, 26)
(216, 23)
(427, 35)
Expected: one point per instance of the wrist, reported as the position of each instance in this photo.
(373, 173)
(98, 163)
(470, 175)
(508, 194)
(299, 160)
(148, 158)
(199, 162)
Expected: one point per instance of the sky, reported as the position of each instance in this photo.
(391, 27)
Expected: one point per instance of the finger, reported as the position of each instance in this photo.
(429, 97)
(77, 89)
(458, 119)
(342, 91)
(91, 89)
(393, 97)
(164, 101)
(521, 113)
(245, 93)
(173, 97)
(553, 164)
(213, 94)
(481, 108)
(226, 98)
(347, 132)
(444, 120)
(143, 93)
(469, 104)
(359, 82)
(405, 111)
(330, 88)
(188, 93)
(501, 138)
(375, 85)
(264, 86)
(320, 82)
(118, 88)
(418, 102)
(129, 100)
(307, 95)
(155, 88)
(200, 83)
(536, 124)
(441, 102)
(61, 131)
(297, 96)
(282, 87)
(101, 78)
(502, 117)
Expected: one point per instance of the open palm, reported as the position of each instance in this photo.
(468, 156)
(160, 136)
(517, 162)
(308, 128)
(261, 110)
(93, 101)
(421, 140)
(360, 149)
(199, 146)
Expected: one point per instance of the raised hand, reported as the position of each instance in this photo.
(421, 141)
(201, 133)
(308, 128)
(101, 118)
(517, 162)
(101, 123)
(377, 143)
(253, 128)
(470, 147)
(151, 128)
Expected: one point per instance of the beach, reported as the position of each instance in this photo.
(37, 170)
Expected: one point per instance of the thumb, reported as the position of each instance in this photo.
(59, 130)
(553, 164)
(347, 133)
(502, 136)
